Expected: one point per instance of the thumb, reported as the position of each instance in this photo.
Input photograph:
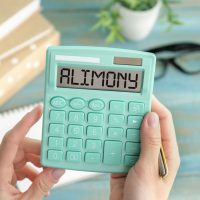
(150, 140)
(43, 183)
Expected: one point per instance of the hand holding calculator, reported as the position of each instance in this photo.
(95, 100)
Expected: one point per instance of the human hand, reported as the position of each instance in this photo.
(143, 181)
(15, 152)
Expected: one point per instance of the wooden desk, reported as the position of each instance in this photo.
(181, 93)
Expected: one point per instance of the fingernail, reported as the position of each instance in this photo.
(152, 120)
(57, 173)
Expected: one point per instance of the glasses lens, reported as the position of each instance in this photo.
(190, 62)
(160, 69)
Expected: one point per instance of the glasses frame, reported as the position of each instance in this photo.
(183, 48)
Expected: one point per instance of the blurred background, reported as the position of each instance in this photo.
(168, 28)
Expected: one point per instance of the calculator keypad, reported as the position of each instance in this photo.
(56, 143)
(95, 118)
(93, 158)
(56, 129)
(93, 145)
(57, 116)
(75, 131)
(77, 103)
(58, 102)
(117, 106)
(116, 120)
(112, 152)
(96, 104)
(94, 131)
(55, 155)
(73, 156)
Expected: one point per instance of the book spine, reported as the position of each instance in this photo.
(25, 71)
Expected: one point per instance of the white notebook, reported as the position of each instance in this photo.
(10, 118)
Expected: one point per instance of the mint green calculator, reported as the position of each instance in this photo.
(95, 100)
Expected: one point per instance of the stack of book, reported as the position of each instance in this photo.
(24, 37)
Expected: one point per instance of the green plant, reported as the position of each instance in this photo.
(107, 18)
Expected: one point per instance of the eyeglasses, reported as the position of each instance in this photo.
(185, 57)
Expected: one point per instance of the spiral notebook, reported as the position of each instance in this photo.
(10, 118)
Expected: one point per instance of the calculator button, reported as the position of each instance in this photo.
(75, 131)
(135, 121)
(112, 152)
(94, 132)
(76, 117)
(93, 145)
(133, 135)
(96, 104)
(55, 155)
(73, 156)
(130, 160)
(136, 108)
(56, 129)
(92, 158)
(132, 148)
(117, 106)
(95, 118)
(115, 133)
(77, 103)
(57, 116)
(116, 120)
(74, 144)
(58, 102)
(56, 142)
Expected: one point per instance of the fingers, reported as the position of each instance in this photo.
(43, 183)
(15, 136)
(150, 141)
(168, 136)
(35, 159)
(27, 172)
(120, 175)
(31, 146)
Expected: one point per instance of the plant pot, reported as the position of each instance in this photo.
(136, 25)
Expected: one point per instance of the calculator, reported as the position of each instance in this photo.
(94, 103)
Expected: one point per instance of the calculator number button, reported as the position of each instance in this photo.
(112, 152)
(116, 120)
(133, 135)
(56, 142)
(57, 116)
(135, 121)
(132, 148)
(95, 118)
(73, 156)
(55, 155)
(92, 158)
(74, 144)
(77, 103)
(58, 102)
(130, 160)
(93, 145)
(94, 132)
(136, 108)
(96, 104)
(75, 131)
(117, 106)
(56, 129)
(115, 133)
(76, 117)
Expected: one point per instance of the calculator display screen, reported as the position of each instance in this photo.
(100, 79)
